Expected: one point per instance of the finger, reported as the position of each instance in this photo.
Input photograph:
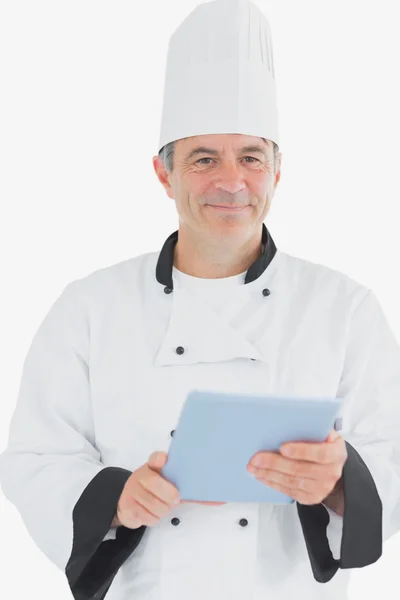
(134, 514)
(299, 484)
(318, 452)
(277, 462)
(302, 484)
(155, 506)
(300, 468)
(157, 460)
(159, 486)
(332, 436)
(301, 496)
(141, 514)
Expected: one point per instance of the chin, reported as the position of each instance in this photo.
(229, 227)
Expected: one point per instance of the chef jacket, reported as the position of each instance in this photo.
(102, 387)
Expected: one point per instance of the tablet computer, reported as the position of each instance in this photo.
(218, 433)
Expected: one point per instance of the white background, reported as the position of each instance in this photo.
(82, 84)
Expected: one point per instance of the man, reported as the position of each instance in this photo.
(220, 308)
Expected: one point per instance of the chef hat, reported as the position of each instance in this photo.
(220, 74)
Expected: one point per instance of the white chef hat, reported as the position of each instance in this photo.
(220, 74)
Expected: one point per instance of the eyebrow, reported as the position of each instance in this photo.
(213, 152)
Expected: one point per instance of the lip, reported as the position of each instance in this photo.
(228, 208)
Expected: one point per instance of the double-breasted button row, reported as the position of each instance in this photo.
(168, 290)
(175, 521)
(180, 350)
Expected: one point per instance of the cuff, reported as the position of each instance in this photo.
(94, 562)
(334, 531)
(362, 523)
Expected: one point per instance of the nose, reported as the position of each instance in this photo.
(229, 178)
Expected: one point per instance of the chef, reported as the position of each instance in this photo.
(218, 307)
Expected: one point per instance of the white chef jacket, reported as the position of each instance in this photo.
(103, 386)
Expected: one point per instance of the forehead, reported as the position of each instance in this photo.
(219, 141)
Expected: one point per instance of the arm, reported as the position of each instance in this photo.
(370, 494)
(335, 500)
(51, 470)
(115, 522)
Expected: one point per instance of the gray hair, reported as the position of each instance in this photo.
(166, 154)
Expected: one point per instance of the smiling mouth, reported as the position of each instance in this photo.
(230, 208)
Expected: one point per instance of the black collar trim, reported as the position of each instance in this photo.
(166, 259)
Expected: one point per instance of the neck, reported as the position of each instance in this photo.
(211, 259)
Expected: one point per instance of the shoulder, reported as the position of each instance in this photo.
(112, 280)
(316, 279)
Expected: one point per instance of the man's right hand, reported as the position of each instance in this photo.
(147, 496)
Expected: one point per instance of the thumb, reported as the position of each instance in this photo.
(333, 435)
(157, 460)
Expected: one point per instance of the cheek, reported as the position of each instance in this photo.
(259, 185)
(200, 193)
(195, 187)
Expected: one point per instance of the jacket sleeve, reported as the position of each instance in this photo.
(51, 470)
(370, 388)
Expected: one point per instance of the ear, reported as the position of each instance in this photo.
(163, 176)
(278, 170)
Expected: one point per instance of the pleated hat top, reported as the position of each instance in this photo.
(220, 74)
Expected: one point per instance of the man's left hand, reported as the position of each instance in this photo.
(309, 474)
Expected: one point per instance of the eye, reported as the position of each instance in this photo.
(205, 158)
(252, 158)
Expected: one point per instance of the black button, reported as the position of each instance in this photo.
(266, 292)
(180, 350)
(167, 290)
(243, 522)
(252, 359)
(175, 521)
(172, 433)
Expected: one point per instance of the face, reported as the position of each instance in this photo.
(222, 184)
